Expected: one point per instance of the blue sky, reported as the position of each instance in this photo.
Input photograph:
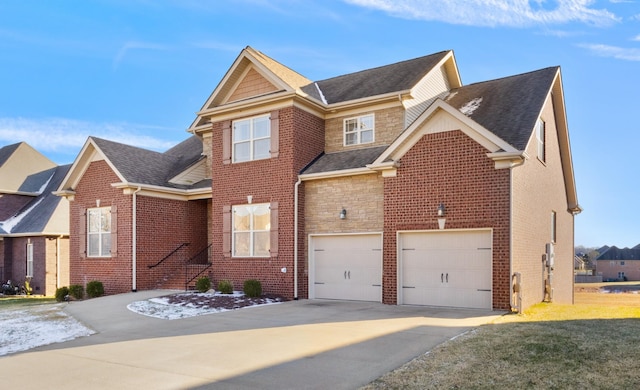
(136, 71)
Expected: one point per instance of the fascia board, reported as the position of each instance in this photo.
(81, 164)
(334, 174)
(409, 137)
(366, 101)
(163, 192)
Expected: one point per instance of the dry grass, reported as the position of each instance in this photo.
(593, 344)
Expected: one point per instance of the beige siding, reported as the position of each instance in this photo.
(361, 196)
(532, 220)
(432, 87)
(388, 125)
(253, 84)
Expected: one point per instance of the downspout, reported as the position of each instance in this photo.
(295, 239)
(134, 244)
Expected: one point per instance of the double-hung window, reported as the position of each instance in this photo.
(251, 230)
(99, 232)
(540, 135)
(251, 138)
(30, 260)
(359, 130)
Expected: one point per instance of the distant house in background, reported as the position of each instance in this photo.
(619, 264)
(34, 223)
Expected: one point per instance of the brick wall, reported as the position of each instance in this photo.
(453, 169)
(609, 269)
(301, 139)
(389, 123)
(163, 225)
(538, 190)
(19, 263)
(115, 271)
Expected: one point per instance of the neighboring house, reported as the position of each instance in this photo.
(34, 223)
(395, 184)
(139, 219)
(619, 264)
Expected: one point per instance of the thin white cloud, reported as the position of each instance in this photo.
(620, 53)
(135, 45)
(68, 135)
(636, 38)
(492, 13)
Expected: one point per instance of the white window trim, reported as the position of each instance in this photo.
(29, 260)
(540, 138)
(251, 231)
(359, 131)
(251, 139)
(102, 252)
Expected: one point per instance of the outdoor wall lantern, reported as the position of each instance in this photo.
(441, 210)
(343, 213)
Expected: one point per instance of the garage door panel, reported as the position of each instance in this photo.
(450, 268)
(347, 267)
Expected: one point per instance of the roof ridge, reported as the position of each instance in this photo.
(511, 76)
(383, 66)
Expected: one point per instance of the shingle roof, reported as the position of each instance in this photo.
(144, 166)
(372, 82)
(509, 107)
(337, 161)
(34, 217)
(7, 151)
(33, 183)
(615, 253)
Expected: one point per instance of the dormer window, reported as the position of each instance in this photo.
(540, 136)
(251, 139)
(359, 130)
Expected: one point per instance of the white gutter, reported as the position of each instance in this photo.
(134, 245)
(295, 239)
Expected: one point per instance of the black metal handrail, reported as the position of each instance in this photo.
(191, 262)
(169, 255)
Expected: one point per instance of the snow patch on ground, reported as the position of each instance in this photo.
(28, 327)
(193, 304)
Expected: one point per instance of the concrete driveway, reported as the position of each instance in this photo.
(306, 344)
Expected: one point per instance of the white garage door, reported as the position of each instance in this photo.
(446, 268)
(346, 267)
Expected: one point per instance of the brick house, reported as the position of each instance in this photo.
(34, 224)
(395, 184)
(622, 264)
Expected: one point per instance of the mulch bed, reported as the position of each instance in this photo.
(211, 301)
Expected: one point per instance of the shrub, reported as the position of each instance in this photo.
(95, 289)
(225, 287)
(252, 288)
(203, 284)
(62, 293)
(76, 291)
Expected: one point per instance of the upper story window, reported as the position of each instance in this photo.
(99, 232)
(251, 138)
(553, 227)
(540, 137)
(251, 230)
(359, 130)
